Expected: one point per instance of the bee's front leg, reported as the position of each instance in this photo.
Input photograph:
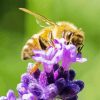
(80, 49)
(34, 68)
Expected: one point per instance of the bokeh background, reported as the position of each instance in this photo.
(16, 27)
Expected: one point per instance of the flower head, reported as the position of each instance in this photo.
(61, 52)
(55, 81)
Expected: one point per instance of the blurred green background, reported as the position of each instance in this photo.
(16, 27)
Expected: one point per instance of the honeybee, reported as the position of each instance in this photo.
(44, 38)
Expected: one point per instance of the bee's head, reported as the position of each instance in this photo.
(77, 38)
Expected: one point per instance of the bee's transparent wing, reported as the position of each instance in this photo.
(41, 23)
(41, 20)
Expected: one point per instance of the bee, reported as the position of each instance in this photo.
(44, 38)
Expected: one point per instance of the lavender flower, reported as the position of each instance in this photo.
(46, 87)
(55, 81)
(61, 52)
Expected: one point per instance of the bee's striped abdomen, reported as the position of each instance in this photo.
(31, 44)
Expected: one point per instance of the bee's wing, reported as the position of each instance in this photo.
(39, 17)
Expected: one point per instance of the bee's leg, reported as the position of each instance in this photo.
(42, 43)
(51, 43)
(50, 36)
(80, 49)
(67, 36)
(68, 43)
(63, 34)
(34, 68)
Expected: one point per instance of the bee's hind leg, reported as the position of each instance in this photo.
(34, 68)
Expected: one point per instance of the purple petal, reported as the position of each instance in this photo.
(38, 59)
(3, 98)
(61, 84)
(35, 89)
(48, 67)
(30, 65)
(28, 96)
(57, 57)
(22, 89)
(51, 91)
(39, 52)
(11, 95)
(50, 53)
(79, 83)
(79, 55)
(69, 56)
(81, 60)
(56, 41)
(55, 74)
(43, 79)
(26, 78)
(66, 60)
